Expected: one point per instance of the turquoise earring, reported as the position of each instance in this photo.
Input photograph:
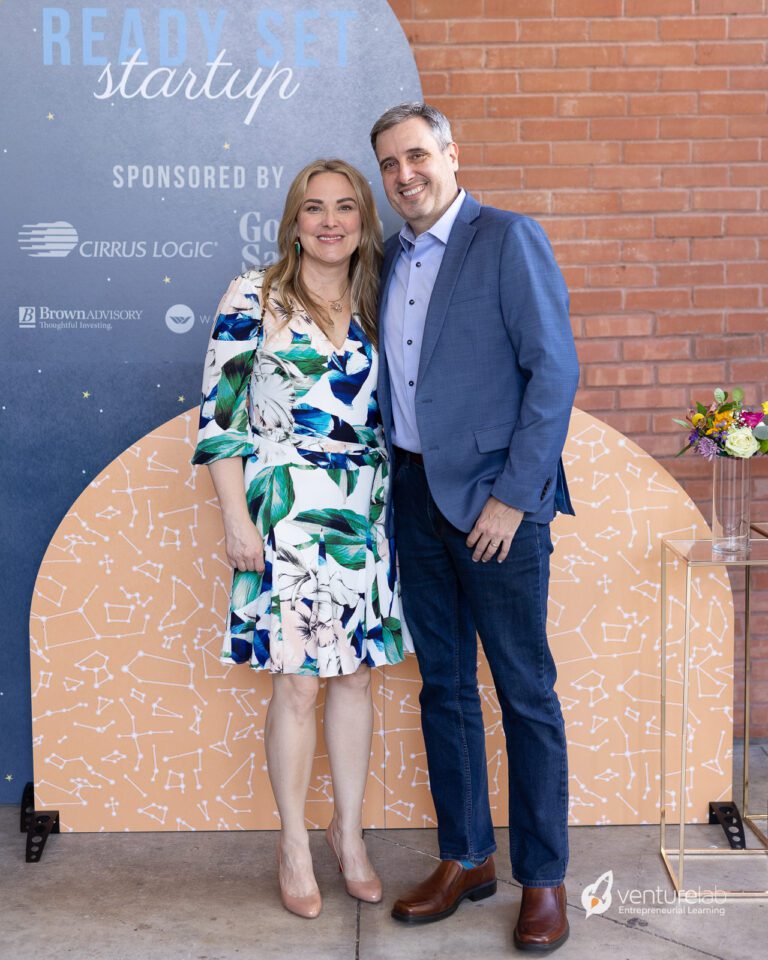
(297, 248)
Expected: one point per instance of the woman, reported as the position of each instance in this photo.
(289, 428)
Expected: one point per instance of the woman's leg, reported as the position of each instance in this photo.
(289, 738)
(348, 727)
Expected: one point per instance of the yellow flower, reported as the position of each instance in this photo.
(765, 406)
(697, 418)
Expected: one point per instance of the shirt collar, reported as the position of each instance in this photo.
(440, 230)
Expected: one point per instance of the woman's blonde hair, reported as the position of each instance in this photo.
(283, 279)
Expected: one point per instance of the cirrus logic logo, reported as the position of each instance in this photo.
(56, 239)
(179, 318)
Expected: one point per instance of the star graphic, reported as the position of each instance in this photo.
(181, 398)
(9, 777)
(51, 116)
(226, 146)
(166, 279)
(86, 394)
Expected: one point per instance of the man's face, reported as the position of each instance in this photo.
(419, 178)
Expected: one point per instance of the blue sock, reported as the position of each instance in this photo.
(470, 864)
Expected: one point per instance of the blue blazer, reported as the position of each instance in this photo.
(498, 370)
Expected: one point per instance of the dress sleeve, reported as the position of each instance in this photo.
(225, 429)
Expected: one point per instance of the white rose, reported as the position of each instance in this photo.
(740, 442)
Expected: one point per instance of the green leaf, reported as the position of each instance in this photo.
(273, 490)
(231, 392)
(720, 395)
(738, 394)
(352, 477)
(393, 639)
(700, 408)
(725, 407)
(226, 445)
(681, 452)
(683, 423)
(344, 521)
(245, 588)
(760, 432)
(308, 361)
(764, 446)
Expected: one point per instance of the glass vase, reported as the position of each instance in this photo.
(730, 508)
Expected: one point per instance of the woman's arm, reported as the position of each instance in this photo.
(244, 545)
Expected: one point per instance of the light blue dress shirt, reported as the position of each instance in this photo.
(404, 315)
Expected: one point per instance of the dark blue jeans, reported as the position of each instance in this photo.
(448, 599)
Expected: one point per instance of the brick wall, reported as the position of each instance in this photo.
(636, 133)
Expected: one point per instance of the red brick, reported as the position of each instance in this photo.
(733, 103)
(600, 375)
(520, 106)
(595, 301)
(401, 8)
(741, 127)
(444, 58)
(553, 31)
(577, 8)
(724, 249)
(565, 81)
(650, 251)
(518, 8)
(667, 299)
(745, 273)
(519, 57)
(593, 252)
(654, 200)
(616, 80)
(663, 423)
(694, 80)
(620, 275)
(622, 227)
(624, 325)
(724, 199)
(557, 177)
(484, 31)
(743, 27)
(657, 104)
(658, 8)
(419, 31)
(653, 399)
(482, 81)
(482, 131)
(708, 297)
(445, 9)
(689, 274)
(730, 6)
(695, 226)
(745, 323)
(596, 351)
(522, 201)
(551, 130)
(660, 445)
(584, 55)
(631, 128)
(657, 152)
(743, 176)
(590, 153)
(458, 107)
(626, 177)
(432, 83)
(722, 348)
(747, 79)
(692, 373)
(596, 400)
(730, 52)
(695, 176)
(746, 226)
(726, 151)
(562, 228)
(623, 30)
(592, 201)
(499, 178)
(692, 323)
(705, 128)
(671, 348)
(693, 28)
(661, 55)
(746, 371)
(514, 153)
(592, 106)
(627, 423)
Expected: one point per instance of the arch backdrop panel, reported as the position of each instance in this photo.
(137, 726)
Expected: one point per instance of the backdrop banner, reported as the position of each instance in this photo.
(145, 155)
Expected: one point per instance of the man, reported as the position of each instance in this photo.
(478, 372)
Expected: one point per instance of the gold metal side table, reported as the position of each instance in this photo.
(693, 554)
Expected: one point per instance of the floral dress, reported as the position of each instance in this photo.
(304, 418)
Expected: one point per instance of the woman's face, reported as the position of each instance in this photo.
(329, 221)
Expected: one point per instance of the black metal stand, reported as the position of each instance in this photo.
(37, 824)
(729, 818)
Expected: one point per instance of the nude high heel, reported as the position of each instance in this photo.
(308, 907)
(369, 891)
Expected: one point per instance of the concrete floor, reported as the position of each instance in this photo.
(213, 896)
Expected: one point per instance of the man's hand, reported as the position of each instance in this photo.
(244, 546)
(494, 530)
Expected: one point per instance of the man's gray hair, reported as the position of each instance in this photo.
(438, 122)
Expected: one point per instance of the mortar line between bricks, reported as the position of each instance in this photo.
(574, 906)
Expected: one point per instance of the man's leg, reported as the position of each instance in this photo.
(509, 606)
(445, 640)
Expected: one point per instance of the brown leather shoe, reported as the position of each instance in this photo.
(542, 925)
(441, 893)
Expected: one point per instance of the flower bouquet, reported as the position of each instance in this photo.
(728, 435)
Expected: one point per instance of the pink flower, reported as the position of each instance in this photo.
(751, 419)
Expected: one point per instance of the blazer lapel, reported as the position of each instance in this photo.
(447, 277)
(384, 396)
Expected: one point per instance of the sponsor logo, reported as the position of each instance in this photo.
(56, 239)
(596, 897)
(259, 239)
(59, 239)
(27, 317)
(179, 318)
(65, 318)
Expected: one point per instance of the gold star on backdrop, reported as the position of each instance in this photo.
(226, 146)
(166, 279)
(50, 116)
(181, 398)
(9, 777)
(86, 394)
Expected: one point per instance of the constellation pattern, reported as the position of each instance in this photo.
(138, 726)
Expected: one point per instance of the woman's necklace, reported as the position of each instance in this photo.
(337, 304)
